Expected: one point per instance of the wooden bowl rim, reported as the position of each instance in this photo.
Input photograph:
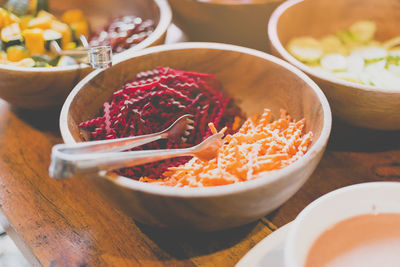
(317, 148)
(161, 28)
(276, 43)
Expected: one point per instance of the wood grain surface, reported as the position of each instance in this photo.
(58, 223)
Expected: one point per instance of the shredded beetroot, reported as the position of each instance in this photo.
(152, 102)
(123, 32)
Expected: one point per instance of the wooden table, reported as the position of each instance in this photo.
(69, 223)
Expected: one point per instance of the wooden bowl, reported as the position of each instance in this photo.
(256, 80)
(37, 88)
(225, 21)
(360, 105)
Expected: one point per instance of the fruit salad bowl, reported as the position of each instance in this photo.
(47, 87)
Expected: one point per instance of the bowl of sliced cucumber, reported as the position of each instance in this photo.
(351, 48)
(43, 43)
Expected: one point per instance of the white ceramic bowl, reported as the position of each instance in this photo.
(256, 80)
(336, 206)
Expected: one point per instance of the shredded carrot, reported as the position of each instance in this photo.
(212, 128)
(236, 123)
(259, 146)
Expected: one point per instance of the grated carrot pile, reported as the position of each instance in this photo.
(259, 146)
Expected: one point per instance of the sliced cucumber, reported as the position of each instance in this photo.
(355, 63)
(346, 37)
(15, 40)
(66, 61)
(306, 49)
(385, 79)
(363, 31)
(332, 44)
(11, 35)
(18, 7)
(54, 61)
(41, 64)
(41, 58)
(334, 62)
(375, 72)
(51, 35)
(394, 53)
(378, 65)
(353, 55)
(372, 53)
(395, 69)
(394, 57)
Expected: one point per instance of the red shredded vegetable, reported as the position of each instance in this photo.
(123, 32)
(153, 101)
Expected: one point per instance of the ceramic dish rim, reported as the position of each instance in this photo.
(337, 193)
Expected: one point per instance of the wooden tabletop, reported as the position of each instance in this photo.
(69, 223)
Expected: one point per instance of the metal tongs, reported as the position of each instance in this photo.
(67, 160)
(98, 57)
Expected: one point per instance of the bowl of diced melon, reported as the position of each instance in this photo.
(352, 50)
(35, 75)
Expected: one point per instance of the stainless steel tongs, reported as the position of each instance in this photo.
(68, 160)
(98, 57)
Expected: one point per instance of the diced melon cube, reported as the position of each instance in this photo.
(16, 53)
(73, 16)
(64, 30)
(43, 23)
(80, 28)
(34, 41)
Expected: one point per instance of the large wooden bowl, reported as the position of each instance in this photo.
(37, 88)
(225, 21)
(256, 80)
(360, 105)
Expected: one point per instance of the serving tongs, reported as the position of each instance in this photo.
(98, 57)
(67, 160)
